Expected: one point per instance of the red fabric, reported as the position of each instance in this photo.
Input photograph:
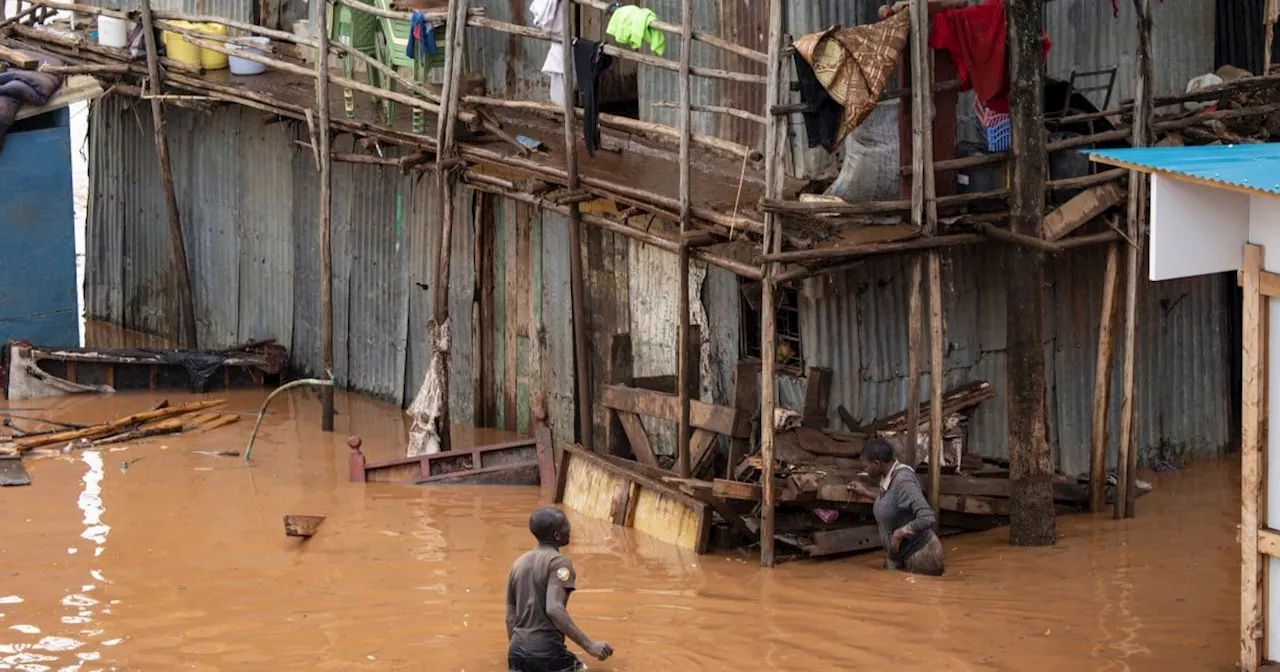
(976, 39)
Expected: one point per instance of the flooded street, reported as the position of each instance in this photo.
(180, 562)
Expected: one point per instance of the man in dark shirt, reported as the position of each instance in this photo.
(537, 592)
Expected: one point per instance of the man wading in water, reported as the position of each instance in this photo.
(537, 590)
(902, 513)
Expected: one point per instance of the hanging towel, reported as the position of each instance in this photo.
(855, 64)
(975, 38)
(422, 37)
(589, 61)
(822, 114)
(548, 15)
(630, 26)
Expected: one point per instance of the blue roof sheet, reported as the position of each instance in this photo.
(1253, 168)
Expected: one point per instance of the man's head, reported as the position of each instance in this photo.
(878, 456)
(550, 526)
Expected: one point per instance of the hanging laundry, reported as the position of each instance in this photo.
(548, 15)
(422, 37)
(854, 66)
(589, 62)
(975, 38)
(630, 25)
(822, 114)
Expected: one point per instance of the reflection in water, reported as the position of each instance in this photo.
(199, 573)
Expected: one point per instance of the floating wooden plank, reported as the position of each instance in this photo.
(606, 489)
(301, 526)
(523, 462)
(114, 427)
(719, 419)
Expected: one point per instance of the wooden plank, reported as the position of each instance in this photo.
(702, 447)
(621, 502)
(512, 303)
(817, 397)
(1268, 283)
(847, 540)
(76, 89)
(1102, 380)
(746, 403)
(545, 450)
(719, 419)
(17, 58)
(638, 438)
(1269, 542)
(618, 371)
(578, 453)
(1253, 416)
(519, 473)
(1081, 209)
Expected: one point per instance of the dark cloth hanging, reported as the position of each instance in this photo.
(589, 62)
(822, 113)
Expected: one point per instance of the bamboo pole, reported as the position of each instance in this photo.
(774, 137)
(325, 208)
(716, 109)
(686, 224)
(582, 366)
(181, 270)
(1102, 382)
(1126, 490)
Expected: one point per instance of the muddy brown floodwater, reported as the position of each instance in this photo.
(180, 562)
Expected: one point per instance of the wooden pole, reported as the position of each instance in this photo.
(774, 136)
(176, 242)
(925, 214)
(1253, 417)
(582, 366)
(1126, 486)
(683, 344)
(319, 19)
(1030, 467)
(446, 187)
(1102, 381)
(1271, 13)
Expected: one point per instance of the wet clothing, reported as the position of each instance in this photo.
(589, 62)
(537, 645)
(902, 504)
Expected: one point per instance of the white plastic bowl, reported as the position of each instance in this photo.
(248, 45)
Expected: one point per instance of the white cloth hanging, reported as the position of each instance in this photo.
(548, 15)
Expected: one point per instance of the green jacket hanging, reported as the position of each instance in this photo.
(629, 25)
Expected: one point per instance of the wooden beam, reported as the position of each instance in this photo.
(325, 209)
(1253, 419)
(817, 396)
(719, 419)
(682, 333)
(18, 59)
(1081, 209)
(702, 448)
(775, 135)
(582, 362)
(1269, 542)
(618, 371)
(746, 403)
(845, 540)
(1268, 283)
(1102, 381)
(637, 436)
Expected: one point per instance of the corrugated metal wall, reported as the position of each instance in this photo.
(856, 324)
(238, 10)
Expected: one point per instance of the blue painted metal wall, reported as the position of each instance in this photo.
(37, 233)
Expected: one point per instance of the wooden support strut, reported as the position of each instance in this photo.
(1253, 417)
(775, 134)
(582, 365)
(1102, 381)
(682, 337)
(177, 245)
(325, 209)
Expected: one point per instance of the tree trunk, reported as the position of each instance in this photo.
(1030, 470)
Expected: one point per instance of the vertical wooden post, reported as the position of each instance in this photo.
(1254, 375)
(915, 333)
(1102, 382)
(582, 365)
(1270, 13)
(924, 210)
(1030, 467)
(177, 245)
(618, 371)
(775, 133)
(1127, 466)
(319, 20)
(446, 187)
(682, 338)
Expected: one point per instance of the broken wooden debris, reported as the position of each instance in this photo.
(302, 526)
(522, 462)
(159, 421)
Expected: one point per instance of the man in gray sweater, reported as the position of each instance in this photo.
(903, 514)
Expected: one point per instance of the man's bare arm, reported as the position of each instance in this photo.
(558, 612)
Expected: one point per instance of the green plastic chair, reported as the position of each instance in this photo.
(391, 42)
(357, 30)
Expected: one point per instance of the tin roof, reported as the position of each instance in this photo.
(1246, 168)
